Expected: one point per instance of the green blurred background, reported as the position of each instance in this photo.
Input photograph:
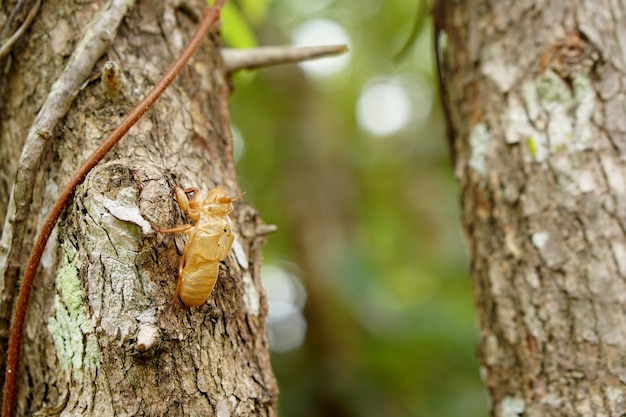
(371, 306)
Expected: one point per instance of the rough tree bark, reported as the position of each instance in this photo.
(102, 337)
(536, 99)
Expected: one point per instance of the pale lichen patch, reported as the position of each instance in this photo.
(68, 339)
(619, 252)
(550, 247)
(534, 325)
(498, 274)
(516, 121)
(251, 294)
(551, 90)
(550, 103)
(540, 239)
(559, 128)
(125, 208)
(222, 409)
(615, 398)
(502, 73)
(491, 350)
(479, 144)
(585, 97)
(586, 181)
(240, 254)
(69, 323)
(555, 101)
(148, 316)
(68, 283)
(512, 407)
(531, 101)
(553, 400)
(613, 172)
(93, 356)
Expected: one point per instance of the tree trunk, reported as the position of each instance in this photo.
(537, 105)
(102, 336)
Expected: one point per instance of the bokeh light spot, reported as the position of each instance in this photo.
(383, 108)
(317, 32)
(238, 143)
(286, 325)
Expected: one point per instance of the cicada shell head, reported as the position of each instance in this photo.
(219, 201)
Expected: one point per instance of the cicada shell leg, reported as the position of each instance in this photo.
(178, 229)
(182, 199)
(179, 281)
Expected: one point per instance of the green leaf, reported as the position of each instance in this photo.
(236, 30)
(254, 10)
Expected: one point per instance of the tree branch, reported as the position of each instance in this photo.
(237, 59)
(6, 47)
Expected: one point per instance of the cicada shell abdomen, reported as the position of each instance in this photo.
(196, 286)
